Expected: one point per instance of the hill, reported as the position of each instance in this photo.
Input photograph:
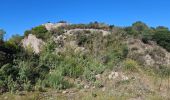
(86, 61)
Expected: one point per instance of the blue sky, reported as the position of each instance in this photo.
(18, 15)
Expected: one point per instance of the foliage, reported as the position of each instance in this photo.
(91, 25)
(2, 33)
(14, 42)
(27, 32)
(162, 37)
(39, 32)
(56, 80)
(137, 28)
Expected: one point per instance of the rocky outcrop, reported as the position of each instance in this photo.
(115, 75)
(50, 26)
(69, 39)
(149, 54)
(33, 42)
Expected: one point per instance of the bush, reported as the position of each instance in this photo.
(32, 71)
(48, 57)
(6, 53)
(56, 80)
(89, 75)
(27, 32)
(11, 84)
(147, 36)
(162, 38)
(10, 70)
(72, 66)
(39, 32)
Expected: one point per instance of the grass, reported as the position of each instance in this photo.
(130, 65)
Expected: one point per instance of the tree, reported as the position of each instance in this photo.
(14, 42)
(2, 33)
(137, 29)
(139, 26)
(62, 21)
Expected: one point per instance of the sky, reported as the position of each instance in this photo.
(16, 16)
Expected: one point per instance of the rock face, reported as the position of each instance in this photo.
(148, 54)
(33, 42)
(50, 26)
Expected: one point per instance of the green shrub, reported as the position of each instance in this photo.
(27, 32)
(72, 66)
(9, 70)
(11, 85)
(7, 53)
(162, 38)
(39, 32)
(56, 80)
(89, 75)
(48, 57)
(32, 71)
(40, 85)
(147, 36)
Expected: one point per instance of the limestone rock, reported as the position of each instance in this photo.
(113, 75)
(86, 87)
(118, 75)
(64, 92)
(33, 42)
(50, 26)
